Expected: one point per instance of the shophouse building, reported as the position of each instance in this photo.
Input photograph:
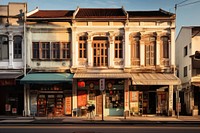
(133, 52)
(187, 61)
(11, 58)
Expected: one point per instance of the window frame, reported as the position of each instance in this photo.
(18, 48)
(150, 55)
(118, 47)
(62, 52)
(6, 56)
(185, 51)
(165, 47)
(185, 71)
(82, 47)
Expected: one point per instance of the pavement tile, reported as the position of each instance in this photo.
(67, 119)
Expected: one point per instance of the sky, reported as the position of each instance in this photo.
(187, 11)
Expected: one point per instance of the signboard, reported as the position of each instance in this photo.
(134, 96)
(14, 110)
(7, 107)
(7, 82)
(82, 98)
(68, 105)
(101, 84)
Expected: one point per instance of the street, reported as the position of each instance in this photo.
(68, 128)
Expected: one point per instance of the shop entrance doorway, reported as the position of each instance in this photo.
(152, 103)
(99, 103)
(50, 104)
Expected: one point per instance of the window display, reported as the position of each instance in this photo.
(114, 99)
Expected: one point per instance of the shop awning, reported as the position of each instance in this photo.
(10, 75)
(102, 75)
(195, 80)
(48, 78)
(154, 79)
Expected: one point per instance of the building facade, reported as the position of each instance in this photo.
(187, 44)
(11, 58)
(133, 52)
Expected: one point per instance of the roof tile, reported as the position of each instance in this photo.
(100, 13)
(52, 14)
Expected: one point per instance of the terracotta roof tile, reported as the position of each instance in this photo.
(52, 14)
(100, 13)
(159, 13)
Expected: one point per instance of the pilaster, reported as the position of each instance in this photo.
(11, 51)
(127, 49)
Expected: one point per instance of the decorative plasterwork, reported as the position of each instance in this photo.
(119, 62)
(83, 62)
(164, 34)
(134, 34)
(145, 37)
(81, 34)
(100, 34)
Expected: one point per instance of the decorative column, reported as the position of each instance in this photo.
(158, 52)
(127, 49)
(142, 53)
(27, 57)
(111, 49)
(74, 94)
(170, 100)
(11, 51)
(172, 48)
(191, 100)
(74, 54)
(126, 95)
(28, 100)
(89, 50)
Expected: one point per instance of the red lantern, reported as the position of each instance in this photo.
(81, 84)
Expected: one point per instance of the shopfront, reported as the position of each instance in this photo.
(11, 94)
(152, 93)
(88, 92)
(145, 99)
(50, 93)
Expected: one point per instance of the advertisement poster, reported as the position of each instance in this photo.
(82, 98)
(68, 106)
(134, 96)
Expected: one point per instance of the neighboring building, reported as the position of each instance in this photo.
(134, 51)
(11, 58)
(187, 43)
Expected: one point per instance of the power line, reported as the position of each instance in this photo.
(182, 2)
(189, 3)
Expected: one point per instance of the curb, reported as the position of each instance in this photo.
(105, 122)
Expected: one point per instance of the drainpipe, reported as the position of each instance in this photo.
(25, 112)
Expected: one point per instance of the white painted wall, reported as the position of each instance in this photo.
(183, 39)
(12, 63)
(35, 35)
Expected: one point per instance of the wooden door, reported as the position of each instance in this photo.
(100, 49)
(99, 104)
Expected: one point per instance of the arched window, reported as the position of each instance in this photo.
(150, 51)
(17, 47)
(165, 47)
(83, 47)
(4, 49)
(118, 47)
(135, 50)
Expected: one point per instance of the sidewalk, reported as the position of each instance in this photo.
(98, 120)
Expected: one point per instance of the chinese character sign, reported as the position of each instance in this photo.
(101, 84)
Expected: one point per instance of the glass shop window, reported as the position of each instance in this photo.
(114, 99)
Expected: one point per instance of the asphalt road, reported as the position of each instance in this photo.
(97, 129)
